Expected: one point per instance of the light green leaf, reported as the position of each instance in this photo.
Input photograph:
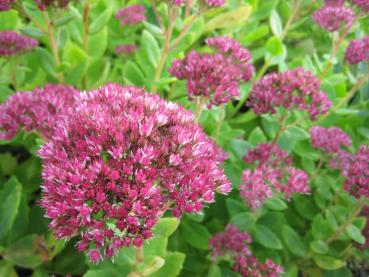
(293, 241)
(328, 263)
(319, 246)
(244, 221)
(151, 48)
(229, 19)
(195, 234)
(276, 23)
(173, 265)
(9, 20)
(354, 233)
(99, 23)
(266, 237)
(274, 46)
(275, 204)
(133, 75)
(166, 226)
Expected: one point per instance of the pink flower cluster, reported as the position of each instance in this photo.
(357, 51)
(6, 4)
(131, 15)
(12, 43)
(118, 162)
(334, 2)
(293, 88)
(234, 243)
(44, 4)
(273, 173)
(333, 18)
(215, 76)
(125, 49)
(231, 242)
(38, 110)
(330, 140)
(361, 4)
(357, 173)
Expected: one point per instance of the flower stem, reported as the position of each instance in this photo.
(139, 255)
(219, 123)
(53, 45)
(282, 127)
(86, 13)
(173, 13)
(200, 101)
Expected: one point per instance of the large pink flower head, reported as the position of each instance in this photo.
(333, 18)
(118, 162)
(234, 244)
(230, 242)
(6, 5)
(12, 43)
(38, 110)
(357, 51)
(330, 140)
(357, 173)
(295, 88)
(272, 173)
(215, 76)
(131, 15)
(44, 4)
(361, 4)
(210, 3)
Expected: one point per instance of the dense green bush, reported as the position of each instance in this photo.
(314, 234)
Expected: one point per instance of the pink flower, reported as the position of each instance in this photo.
(295, 88)
(215, 76)
(44, 4)
(12, 43)
(125, 166)
(357, 173)
(214, 3)
(6, 5)
(234, 244)
(38, 110)
(230, 242)
(273, 173)
(333, 18)
(361, 4)
(357, 51)
(330, 140)
(125, 49)
(131, 15)
(334, 2)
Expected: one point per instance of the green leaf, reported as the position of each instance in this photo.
(98, 44)
(151, 48)
(32, 32)
(155, 264)
(276, 23)
(166, 226)
(27, 252)
(133, 75)
(215, 271)
(99, 23)
(234, 207)
(257, 136)
(229, 19)
(195, 234)
(293, 241)
(354, 233)
(7, 269)
(319, 246)
(244, 221)
(64, 20)
(266, 237)
(275, 204)
(173, 265)
(10, 198)
(328, 263)
(274, 46)
(320, 228)
(9, 20)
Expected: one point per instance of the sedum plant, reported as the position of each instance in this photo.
(184, 138)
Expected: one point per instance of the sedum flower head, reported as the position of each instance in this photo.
(333, 18)
(44, 4)
(356, 173)
(361, 4)
(295, 88)
(118, 162)
(357, 51)
(125, 49)
(6, 5)
(230, 242)
(234, 244)
(272, 173)
(330, 140)
(12, 43)
(38, 110)
(131, 15)
(215, 76)
(334, 2)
